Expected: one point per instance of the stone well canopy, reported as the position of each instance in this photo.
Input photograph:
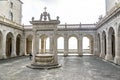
(45, 19)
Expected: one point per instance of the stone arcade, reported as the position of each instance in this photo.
(17, 40)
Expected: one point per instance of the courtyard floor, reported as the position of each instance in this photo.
(73, 68)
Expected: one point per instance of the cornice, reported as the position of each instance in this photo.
(9, 23)
(113, 12)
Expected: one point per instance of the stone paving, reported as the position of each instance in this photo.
(73, 68)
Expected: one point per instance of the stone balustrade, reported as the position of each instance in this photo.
(76, 26)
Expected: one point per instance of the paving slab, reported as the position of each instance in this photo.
(73, 68)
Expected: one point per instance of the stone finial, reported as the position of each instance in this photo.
(49, 17)
(32, 18)
(80, 24)
(57, 17)
(100, 17)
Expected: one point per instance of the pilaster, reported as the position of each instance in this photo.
(13, 54)
(23, 46)
(102, 54)
(109, 52)
(117, 49)
(94, 45)
(4, 48)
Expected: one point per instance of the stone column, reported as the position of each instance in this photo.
(34, 47)
(42, 45)
(51, 44)
(99, 44)
(102, 54)
(13, 54)
(117, 49)
(37, 43)
(4, 48)
(108, 54)
(66, 45)
(91, 46)
(23, 46)
(95, 46)
(80, 47)
(55, 49)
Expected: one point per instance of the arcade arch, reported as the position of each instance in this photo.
(88, 42)
(111, 41)
(73, 44)
(9, 44)
(18, 44)
(60, 44)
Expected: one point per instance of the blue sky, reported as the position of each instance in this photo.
(69, 11)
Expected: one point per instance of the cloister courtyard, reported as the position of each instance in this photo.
(87, 67)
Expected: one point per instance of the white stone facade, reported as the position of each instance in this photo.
(17, 40)
(12, 10)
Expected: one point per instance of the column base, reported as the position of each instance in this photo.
(3, 57)
(65, 55)
(117, 60)
(102, 55)
(80, 54)
(109, 57)
(96, 53)
(13, 54)
(22, 54)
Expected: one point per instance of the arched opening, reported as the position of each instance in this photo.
(9, 40)
(73, 45)
(111, 41)
(18, 43)
(86, 45)
(60, 45)
(113, 45)
(29, 40)
(104, 43)
(44, 44)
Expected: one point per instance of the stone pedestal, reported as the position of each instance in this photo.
(44, 61)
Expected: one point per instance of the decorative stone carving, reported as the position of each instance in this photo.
(45, 60)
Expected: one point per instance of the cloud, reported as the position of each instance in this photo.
(70, 11)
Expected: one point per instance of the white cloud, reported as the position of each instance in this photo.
(70, 11)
